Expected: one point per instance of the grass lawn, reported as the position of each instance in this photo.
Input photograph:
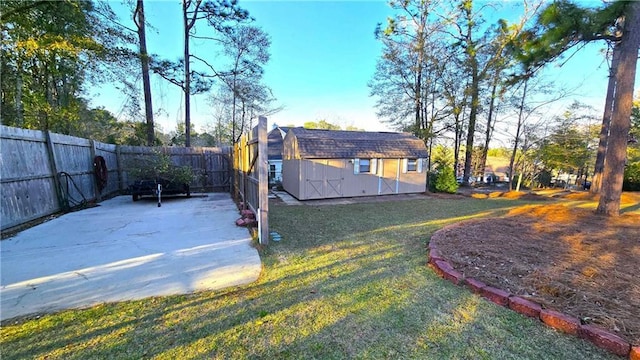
(346, 281)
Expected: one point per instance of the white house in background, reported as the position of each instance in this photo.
(320, 164)
(274, 158)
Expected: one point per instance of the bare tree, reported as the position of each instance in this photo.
(139, 20)
(483, 52)
(220, 15)
(405, 78)
(248, 48)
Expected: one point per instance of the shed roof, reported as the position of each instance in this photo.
(274, 141)
(338, 144)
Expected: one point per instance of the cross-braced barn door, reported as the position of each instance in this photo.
(388, 178)
(333, 175)
(314, 184)
(323, 179)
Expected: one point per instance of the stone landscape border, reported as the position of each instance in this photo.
(554, 319)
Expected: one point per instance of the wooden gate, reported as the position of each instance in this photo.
(251, 175)
(388, 178)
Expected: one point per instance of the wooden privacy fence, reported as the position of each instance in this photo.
(42, 173)
(211, 166)
(251, 177)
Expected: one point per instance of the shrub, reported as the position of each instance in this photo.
(158, 166)
(631, 180)
(445, 180)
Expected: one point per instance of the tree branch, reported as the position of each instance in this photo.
(10, 13)
(216, 73)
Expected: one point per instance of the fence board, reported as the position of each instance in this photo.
(250, 180)
(211, 165)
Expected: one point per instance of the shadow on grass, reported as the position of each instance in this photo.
(630, 209)
(346, 281)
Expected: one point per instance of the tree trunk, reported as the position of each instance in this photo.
(489, 131)
(471, 129)
(144, 60)
(18, 98)
(233, 113)
(606, 121)
(418, 105)
(615, 158)
(418, 100)
(456, 143)
(518, 130)
(187, 77)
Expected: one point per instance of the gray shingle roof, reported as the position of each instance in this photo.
(338, 144)
(274, 141)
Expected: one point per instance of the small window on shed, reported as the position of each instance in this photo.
(412, 165)
(365, 166)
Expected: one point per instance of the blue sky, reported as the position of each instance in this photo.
(323, 53)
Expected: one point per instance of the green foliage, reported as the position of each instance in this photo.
(635, 120)
(353, 128)
(569, 147)
(499, 152)
(158, 166)
(445, 181)
(631, 180)
(322, 124)
(442, 156)
(562, 25)
(49, 51)
(544, 178)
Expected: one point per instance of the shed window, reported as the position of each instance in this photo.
(365, 165)
(272, 172)
(412, 165)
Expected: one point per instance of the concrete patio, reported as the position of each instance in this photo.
(124, 250)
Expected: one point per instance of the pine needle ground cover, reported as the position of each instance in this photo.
(345, 281)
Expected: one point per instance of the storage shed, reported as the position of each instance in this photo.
(275, 138)
(321, 164)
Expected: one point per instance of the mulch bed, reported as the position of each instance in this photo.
(566, 259)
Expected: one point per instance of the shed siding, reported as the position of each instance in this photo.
(314, 176)
(359, 184)
(291, 177)
(290, 147)
(334, 178)
(412, 182)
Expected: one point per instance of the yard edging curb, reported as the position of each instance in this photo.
(561, 322)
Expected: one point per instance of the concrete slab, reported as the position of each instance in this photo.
(124, 250)
(286, 198)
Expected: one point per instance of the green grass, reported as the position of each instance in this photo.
(346, 281)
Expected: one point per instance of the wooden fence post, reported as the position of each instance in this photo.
(263, 180)
(62, 205)
(96, 189)
(119, 166)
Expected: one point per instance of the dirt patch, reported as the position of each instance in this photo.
(567, 259)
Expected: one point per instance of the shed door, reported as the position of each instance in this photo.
(388, 178)
(323, 179)
(314, 180)
(333, 175)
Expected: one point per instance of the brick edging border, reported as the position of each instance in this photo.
(556, 320)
